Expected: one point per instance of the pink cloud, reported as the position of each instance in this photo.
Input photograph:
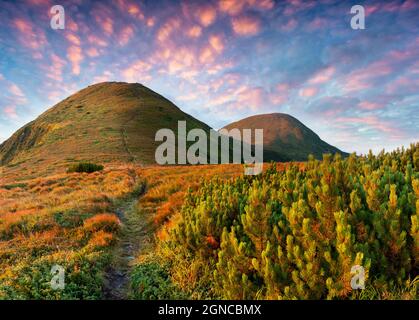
(74, 54)
(391, 7)
(308, 92)
(30, 36)
(403, 85)
(370, 9)
(216, 84)
(216, 43)
(40, 2)
(246, 25)
(106, 76)
(72, 26)
(367, 105)
(165, 31)
(231, 7)
(135, 10)
(55, 70)
(16, 97)
(414, 68)
(235, 7)
(107, 25)
(137, 72)
(97, 41)
(206, 15)
(218, 67)
(92, 52)
(54, 95)
(290, 25)
(104, 18)
(131, 8)
(323, 76)
(126, 34)
(15, 90)
(10, 111)
(150, 22)
(194, 32)
(409, 5)
(253, 98)
(362, 79)
(374, 123)
(317, 23)
(188, 97)
(280, 94)
(261, 4)
(207, 55)
(295, 6)
(73, 39)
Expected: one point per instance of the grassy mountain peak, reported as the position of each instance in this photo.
(110, 121)
(285, 138)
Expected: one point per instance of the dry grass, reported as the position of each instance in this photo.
(70, 219)
(167, 187)
(58, 216)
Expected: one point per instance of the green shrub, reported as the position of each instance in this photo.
(15, 185)
(83, 278)
(85, 167)
(70, 218)
(151, 281)
(297, 233)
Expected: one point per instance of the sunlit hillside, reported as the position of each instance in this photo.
(197, 232)
(78, 220)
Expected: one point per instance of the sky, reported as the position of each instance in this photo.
(224, 60)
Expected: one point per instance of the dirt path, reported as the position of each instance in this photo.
(132, 237)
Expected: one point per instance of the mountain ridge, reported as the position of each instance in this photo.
(285, 138)
(117, 122)
(102, 122)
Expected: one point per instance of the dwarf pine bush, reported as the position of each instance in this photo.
(85, 167)
(297, 233)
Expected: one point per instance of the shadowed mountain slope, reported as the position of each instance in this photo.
(285, 138)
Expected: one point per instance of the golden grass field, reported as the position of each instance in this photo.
(71, 219)
(116, 231)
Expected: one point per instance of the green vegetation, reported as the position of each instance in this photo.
(151, 281)
(85, 167)
(14, 185)
(65, 220)
(296, 233)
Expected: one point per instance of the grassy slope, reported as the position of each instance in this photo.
(106, 122)
(285, 138)
(72, 220)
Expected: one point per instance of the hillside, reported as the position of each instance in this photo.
(285, 138)
(111, 121)
(116, 122)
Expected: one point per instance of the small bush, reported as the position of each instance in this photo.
(13, 186)
(70, 218)
(106, 221)
(85, 167)
(150, 281)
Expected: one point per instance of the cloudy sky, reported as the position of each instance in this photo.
(223, 60)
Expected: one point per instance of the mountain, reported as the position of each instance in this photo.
(285, 138)
(105, 122)
(117, 122)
